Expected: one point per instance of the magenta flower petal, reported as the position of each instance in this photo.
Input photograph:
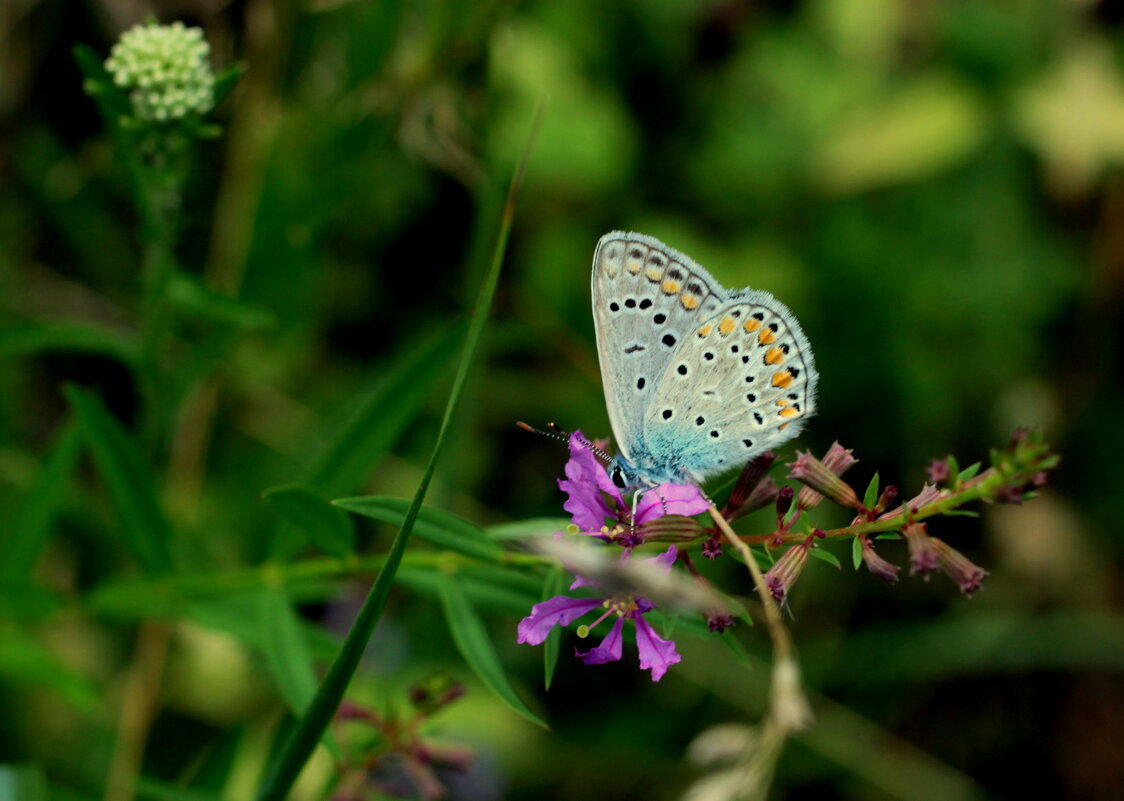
(671, 499)
(557, 611)
(666, 559)
(585, 480)
(656, 653)
(609, 650)
(581, 581)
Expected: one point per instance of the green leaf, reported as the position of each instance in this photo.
(225, 81)
(870, 497)
(163, 791)
(25, 662)
(482, 593)
(290, 758)
(188, 295)
(889, 535)
(736, 648)
(476, 647)
(30, 339)
(22, 783)
(826, 556)
(326, 527)
(969, 472)
(551, 587)
(384, 414)
(436, 526)
(129, 482)
(287, 656)
(953, 467)
(30, 526)
(962, 512)
(856, 552)
(535, 527)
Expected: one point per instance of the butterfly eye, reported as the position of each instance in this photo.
(618, 477)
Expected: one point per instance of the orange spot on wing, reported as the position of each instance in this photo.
(782, 426)
(782, 379)
(726, 325)
(751, 325)
(706, 329)
(689, 301)
(766, 337)
(789, 412)
(671, 287)
(774, 356)
(653, 274)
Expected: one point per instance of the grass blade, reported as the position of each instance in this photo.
(31, 524)
(128, 480)
(20, 340)
(476, 647)
(285, 767)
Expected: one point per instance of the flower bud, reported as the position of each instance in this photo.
(939, 471)
(958, 567)
(923, 557)
(886, 499)
(783, 574)
(1009, 493)
(712, 548)
(887, 571)
(822, 478)
(719, 622)
(751, 475)
(784, 501)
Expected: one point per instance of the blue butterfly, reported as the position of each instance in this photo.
(697, 378)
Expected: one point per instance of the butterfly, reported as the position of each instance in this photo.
(697, 378)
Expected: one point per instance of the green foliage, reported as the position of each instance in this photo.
(227, 371)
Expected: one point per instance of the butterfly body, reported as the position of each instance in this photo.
(698, 379)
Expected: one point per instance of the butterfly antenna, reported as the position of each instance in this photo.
(554, 432)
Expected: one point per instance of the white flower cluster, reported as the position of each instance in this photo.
(165, 70)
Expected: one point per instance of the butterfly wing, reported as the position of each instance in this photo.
(742, 381)
(647, 298)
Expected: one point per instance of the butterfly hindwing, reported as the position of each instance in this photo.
(742, 381)
(647, 298)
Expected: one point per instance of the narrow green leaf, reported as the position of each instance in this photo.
(736, 648)
(30, 339)
(856, 552)
(147, 788)
(384, 415)
(963, 512)
(326, 527)
(436, 526)
(188, 295)
(286, 653)
(535, 527)
(476, 647)
(290, 758)
(870, 497)
(128, 480)
(22, 783)
(225, 81)
(213, 772)
(25, 662)
(969, 472)
(826, 556)
(953, 467)
(889, 535)
(481, 593)
(30, 525)
(551, 587)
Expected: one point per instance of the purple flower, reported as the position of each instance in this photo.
(656, 653)
(598, 508)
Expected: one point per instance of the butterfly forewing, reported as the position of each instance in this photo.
(647, 298)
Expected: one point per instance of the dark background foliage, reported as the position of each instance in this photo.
(934, 188)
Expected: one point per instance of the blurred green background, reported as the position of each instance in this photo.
(934, 188)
